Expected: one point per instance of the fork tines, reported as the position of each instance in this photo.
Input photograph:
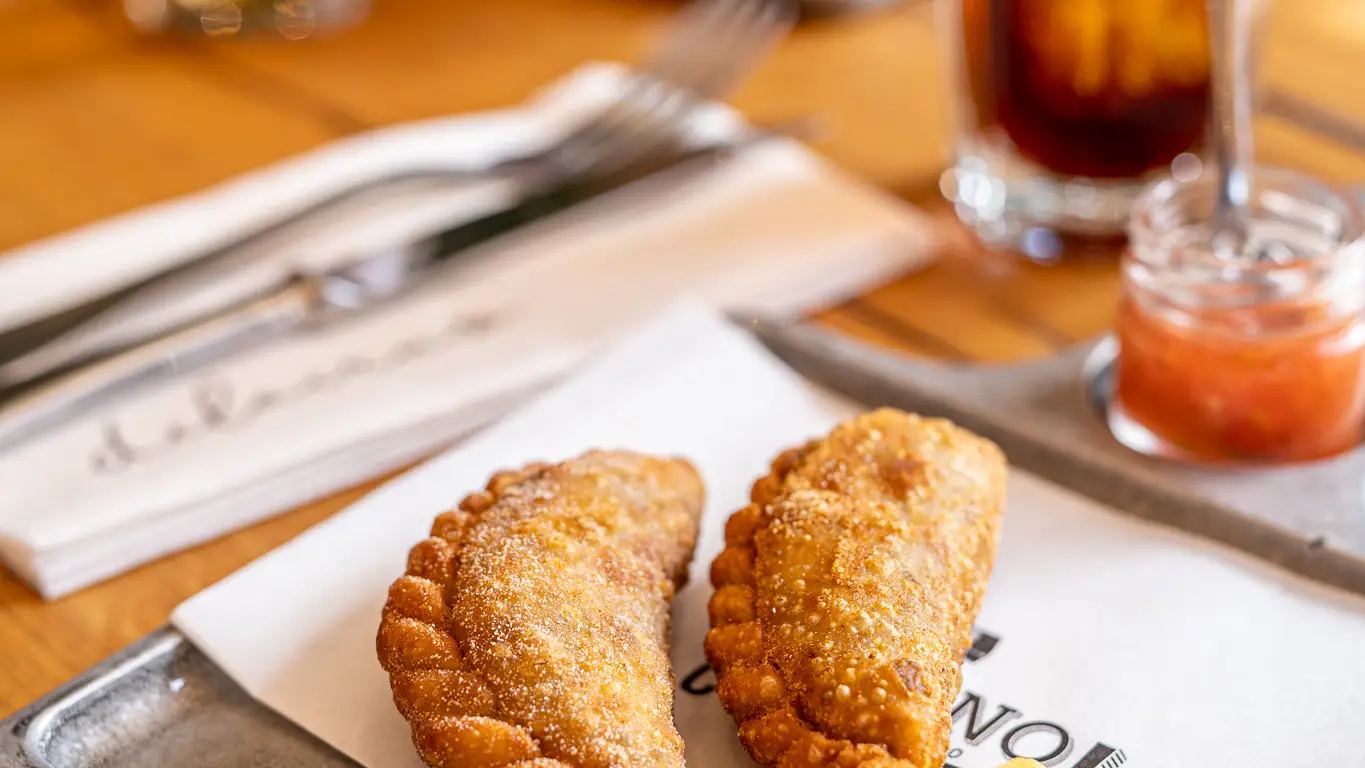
(709, 48)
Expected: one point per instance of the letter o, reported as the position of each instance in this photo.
(1058, 754)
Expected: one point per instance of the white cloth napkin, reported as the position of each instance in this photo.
(775, 230)
(1104, 640)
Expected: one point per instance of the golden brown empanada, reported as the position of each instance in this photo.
(531, 629)
(846, 594)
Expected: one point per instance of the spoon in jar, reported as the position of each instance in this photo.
(1230, 41)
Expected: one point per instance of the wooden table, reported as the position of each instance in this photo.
(95, 119)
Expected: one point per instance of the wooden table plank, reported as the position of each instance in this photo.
(47, 643)
(1313, 50)
(95, 124)
(95, 120)
(156, 153)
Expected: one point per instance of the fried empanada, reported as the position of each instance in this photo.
(846, 594)
(531, 628)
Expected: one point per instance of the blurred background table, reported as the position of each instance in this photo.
(96, 119)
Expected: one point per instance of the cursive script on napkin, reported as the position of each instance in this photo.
(220, 403)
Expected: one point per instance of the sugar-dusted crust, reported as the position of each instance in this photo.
(847, 591)
(531, 628)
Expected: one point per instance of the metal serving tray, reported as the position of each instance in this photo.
(158, 703)
(161, 703)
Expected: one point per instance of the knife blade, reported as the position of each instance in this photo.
(35, 399)
(139, 313)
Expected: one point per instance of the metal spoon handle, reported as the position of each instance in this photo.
(1230, 26)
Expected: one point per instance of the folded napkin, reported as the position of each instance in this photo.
(1103, 639)
(774, 230)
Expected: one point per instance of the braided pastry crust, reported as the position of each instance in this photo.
(531, 628)
(846, 594)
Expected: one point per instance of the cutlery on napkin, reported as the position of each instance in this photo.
(774, 230)
(1104, 640)
(307, 299)
(634, 135)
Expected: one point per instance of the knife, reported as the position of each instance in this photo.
(32, 404)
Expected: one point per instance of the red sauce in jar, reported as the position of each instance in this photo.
(1209, 386)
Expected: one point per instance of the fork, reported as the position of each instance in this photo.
(713, 43)
(705, 52)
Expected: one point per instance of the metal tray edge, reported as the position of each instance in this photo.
(24, 735)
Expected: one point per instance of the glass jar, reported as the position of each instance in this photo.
(1257, 356)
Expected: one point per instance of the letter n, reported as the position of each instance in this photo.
(977, 731)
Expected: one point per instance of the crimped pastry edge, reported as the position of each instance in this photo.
(753, 701)
(419, 653)
(757, 699)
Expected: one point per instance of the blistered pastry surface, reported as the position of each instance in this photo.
(847, 591)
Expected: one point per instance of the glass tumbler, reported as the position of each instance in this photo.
(1064, 109)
